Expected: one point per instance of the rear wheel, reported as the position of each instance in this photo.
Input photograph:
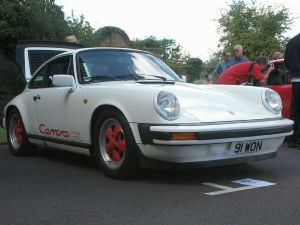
(114, 147)
(16, 135)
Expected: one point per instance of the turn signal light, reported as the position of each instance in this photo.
(184, 136)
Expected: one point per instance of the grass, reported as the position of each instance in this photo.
(2, 135)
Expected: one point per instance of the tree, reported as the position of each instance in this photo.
(170, 51)
(30, 19)
(81, 29)
(259, 29)
(25, 20)
(193, 68)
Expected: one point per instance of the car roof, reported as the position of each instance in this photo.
(55, 44)
(112, 49)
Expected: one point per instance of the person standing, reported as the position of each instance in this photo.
(208, 79)
(277, 77)
(223, 65)
(277, 55)
(242, 72)
(292, 63)
(238, 58)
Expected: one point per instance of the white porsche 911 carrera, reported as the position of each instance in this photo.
(129, 110)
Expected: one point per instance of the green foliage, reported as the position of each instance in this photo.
(149, 44)
(193, 68)
(2, 135)
(199, 81)
(12, 80)
(44, 20)
(259, 29)
(214, 59)
(81, 29)
(168, 49)
(30, 20)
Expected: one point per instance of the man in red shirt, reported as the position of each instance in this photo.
(242, 72)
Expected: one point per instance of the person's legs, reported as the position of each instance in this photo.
(295, 114)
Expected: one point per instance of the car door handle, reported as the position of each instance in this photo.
(36, 97)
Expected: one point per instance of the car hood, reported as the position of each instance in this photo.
(198, 103)
(211, 103)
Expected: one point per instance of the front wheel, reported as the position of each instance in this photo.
(16, 135)
(114, 147)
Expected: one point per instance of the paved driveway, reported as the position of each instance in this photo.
(56, 187)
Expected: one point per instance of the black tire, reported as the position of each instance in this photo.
(114, 147)
(16, 135)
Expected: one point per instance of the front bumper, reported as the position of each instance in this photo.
(213, 141)
(149, 163)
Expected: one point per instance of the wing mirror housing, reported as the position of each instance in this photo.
(62, 80)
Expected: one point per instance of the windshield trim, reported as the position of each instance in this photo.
(164, 79)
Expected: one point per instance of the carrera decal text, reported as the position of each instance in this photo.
(53, 132)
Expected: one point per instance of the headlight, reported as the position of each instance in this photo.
(167, 105)
(272, 101)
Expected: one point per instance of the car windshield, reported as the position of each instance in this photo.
(109, 65)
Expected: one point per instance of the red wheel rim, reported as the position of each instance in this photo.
(112, 143)
(115, 143)
(18, 129)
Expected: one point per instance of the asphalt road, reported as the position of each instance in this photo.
(56, 187)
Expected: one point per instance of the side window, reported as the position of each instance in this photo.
(38, 57)
(38, 80)
(71, 67)
(59, 66)
(84, 70)
(43, 78)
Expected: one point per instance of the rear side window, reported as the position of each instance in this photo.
(38, 57)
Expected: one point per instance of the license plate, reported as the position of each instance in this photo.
(246, 147)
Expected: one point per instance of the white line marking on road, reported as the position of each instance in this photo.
(229, 190)
(217, 186)
(247, 182)
(252, 182)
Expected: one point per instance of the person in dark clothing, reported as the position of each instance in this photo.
(278, 74)
(292, 63)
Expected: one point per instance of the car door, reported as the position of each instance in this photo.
(31, 54)
(56, 110)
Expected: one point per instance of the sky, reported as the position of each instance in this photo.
(191, 23)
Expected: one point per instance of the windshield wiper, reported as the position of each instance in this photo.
(101, 78)
(160, 77)
(141, 76)
(115, 78)
(144, 77)
(129, 76)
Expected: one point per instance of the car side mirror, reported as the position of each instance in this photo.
(64, 81)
